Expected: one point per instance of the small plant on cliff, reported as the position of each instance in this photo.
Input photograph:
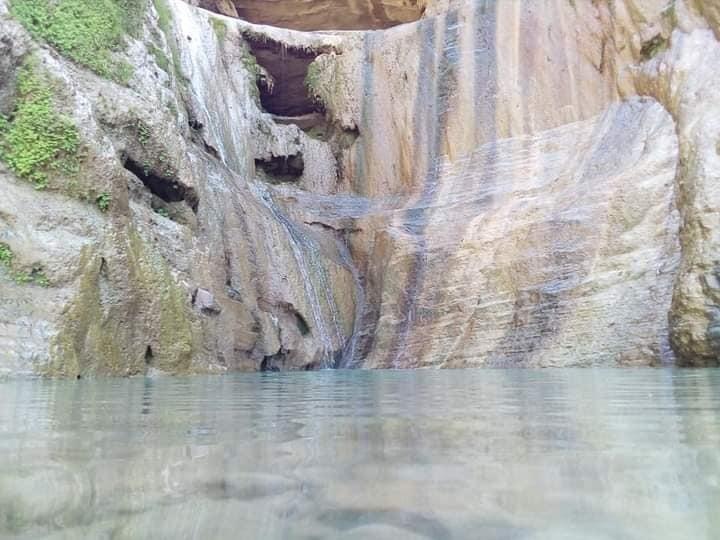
(36, 275)
(103, 201)
(6, 255)
(88, 32)
(37, 139)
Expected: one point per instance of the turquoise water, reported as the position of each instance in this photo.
(511, 454)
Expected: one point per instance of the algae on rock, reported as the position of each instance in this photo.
(100, 331)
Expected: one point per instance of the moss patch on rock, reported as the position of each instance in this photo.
(37, 140)
(89, 32)
(148, 311)
(220, 29)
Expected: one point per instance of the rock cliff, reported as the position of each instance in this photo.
(249, 185)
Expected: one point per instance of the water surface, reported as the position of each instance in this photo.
(512, 454)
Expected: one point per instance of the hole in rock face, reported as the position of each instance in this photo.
(311, 15)
(287, 95)
(167, 189)
(282, 168)
(148, 355)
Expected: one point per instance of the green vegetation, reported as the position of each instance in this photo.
(161, 58)
(35, 276)
(164, 16)
(37, 139)
(165, 24)
(143, 132)
(6, 255)
(88, 32)
(323, 79)
(258, 74)
(103, 201)
(220, 28)
(162, 212)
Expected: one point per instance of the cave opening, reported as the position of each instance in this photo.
(168, 190)
(321, 15)
(280, 169)
(149, 355)
(286, 95)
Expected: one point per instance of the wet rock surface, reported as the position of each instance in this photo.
(496, 184)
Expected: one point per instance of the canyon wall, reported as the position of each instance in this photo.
(520, 183)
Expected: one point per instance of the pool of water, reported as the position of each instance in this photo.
(511, 454)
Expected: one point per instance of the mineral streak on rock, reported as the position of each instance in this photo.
(480, 183)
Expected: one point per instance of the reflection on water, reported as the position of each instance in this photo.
(562, 454)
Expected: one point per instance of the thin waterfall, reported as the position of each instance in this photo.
(307, 257)
(349, 357)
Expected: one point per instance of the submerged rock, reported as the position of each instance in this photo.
(494, 183)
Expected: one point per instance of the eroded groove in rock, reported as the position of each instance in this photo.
(321, 14)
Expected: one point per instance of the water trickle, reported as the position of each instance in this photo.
(314, 276)
(350, 357)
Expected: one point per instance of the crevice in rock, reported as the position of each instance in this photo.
(280, 169)
(302, 324)
(210, 149)
(166, 189)
(653, 46)
(317, 15)
(195, 124)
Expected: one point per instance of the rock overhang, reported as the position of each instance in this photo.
(321, 15)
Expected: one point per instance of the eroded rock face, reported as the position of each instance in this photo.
(497, 184)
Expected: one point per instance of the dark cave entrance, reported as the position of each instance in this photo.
(168, 190)
(286, 96)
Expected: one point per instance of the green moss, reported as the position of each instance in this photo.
(6, 255)
(37, 140)
(324, 79)
(151, 273)
(35, 276)
(165, 24)
(85, 336)
(96, 339)
(164, 16)
(220, 29)
(249, 61)
(161, 58)
(103, 201)
(258, 74)
(88, 32)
